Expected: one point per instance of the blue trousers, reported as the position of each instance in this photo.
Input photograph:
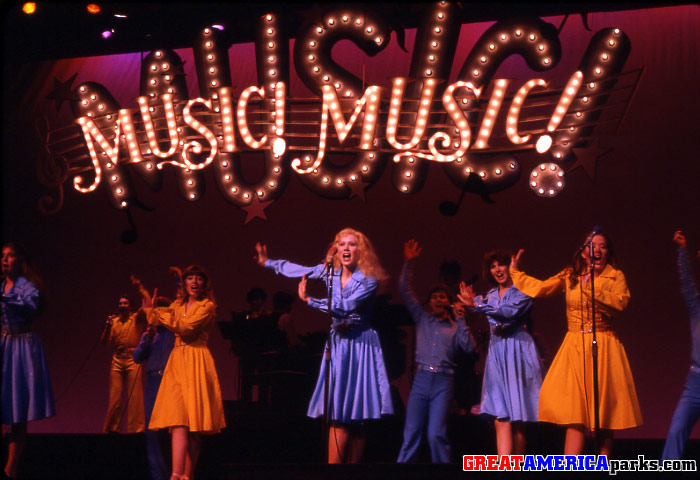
(686, 414)
(154, 438)
(429, 401)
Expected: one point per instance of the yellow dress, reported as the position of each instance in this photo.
(189, 394)
(566, 396)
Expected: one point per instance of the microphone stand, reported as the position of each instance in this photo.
(327, 360)
(594, 355)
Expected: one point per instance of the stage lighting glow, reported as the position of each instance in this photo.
(29, 8)
(218, 27)
(107, 33)
(93, 8)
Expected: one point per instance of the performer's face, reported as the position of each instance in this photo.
(439, 302)
(124, 304)
(600, 253)
(500, 273)
(194, 284)
(348, 251)
(10, 262)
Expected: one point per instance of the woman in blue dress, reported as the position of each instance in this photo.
(358, 385)
(26, 388)
(513, 372)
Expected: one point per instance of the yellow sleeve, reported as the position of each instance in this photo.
(155, 316)
(200, 316)
(534, 288)
(613, 292)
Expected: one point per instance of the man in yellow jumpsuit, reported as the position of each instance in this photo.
(123, 332)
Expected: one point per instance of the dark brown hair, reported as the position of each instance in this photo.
(501, 256)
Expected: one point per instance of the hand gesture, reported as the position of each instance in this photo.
(679, 239)
(458, 309)
(466, 294)
(302, 290)
(150, 302)
(110, 320)
(261, 256)
(515, 260)
(411, 250)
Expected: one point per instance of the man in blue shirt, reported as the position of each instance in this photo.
(438, 339)
(688, 409)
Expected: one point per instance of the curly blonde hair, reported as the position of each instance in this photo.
(368, 261)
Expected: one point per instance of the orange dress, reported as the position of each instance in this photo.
(189, 394)
(566, 396)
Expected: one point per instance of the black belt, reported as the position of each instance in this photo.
(435, 369)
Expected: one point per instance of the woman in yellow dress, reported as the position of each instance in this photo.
(566, 397)
(189, 398)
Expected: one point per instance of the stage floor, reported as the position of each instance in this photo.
(260, 445)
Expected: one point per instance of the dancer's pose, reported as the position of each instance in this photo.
(26, 387)
(438, 340)
(189, 398)
(358, 384)
(123, 332)
(566, 397)
(513, 372)
(688, 409)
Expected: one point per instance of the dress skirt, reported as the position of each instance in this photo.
(359, 385)
(512, 378)
(26, 387)
(566, 396)
(189, 394)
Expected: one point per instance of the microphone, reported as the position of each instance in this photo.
(331, 254)
(596, 230)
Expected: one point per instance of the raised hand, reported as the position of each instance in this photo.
(515, 260)
(411, 249)
(679, 239)
(302, 290)
(261, 254)
(466, 294)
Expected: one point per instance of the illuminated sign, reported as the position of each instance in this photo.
(420, 119)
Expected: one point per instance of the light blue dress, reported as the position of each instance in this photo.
(26, 387)
(513, 372)
(359, 385)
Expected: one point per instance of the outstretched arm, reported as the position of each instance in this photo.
(533, 287)
(689, 289)
(411, 251)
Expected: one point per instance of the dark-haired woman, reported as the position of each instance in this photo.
(26, 387)
(566, 397)
(189, 398)
(513, 372)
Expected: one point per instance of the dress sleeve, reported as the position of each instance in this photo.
(408, 294)
(190, 324)
(24, 299)
(508, 311)
(289, 269)
(615, 295)
(342, 307)
(535, 288)
(689, 289)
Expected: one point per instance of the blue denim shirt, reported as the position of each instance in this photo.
(691, 297)
(437, 342)
(155, 350)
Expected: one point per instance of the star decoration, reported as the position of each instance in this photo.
(587, 157)
(357, 188)
(62, 91)
(256, 209)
